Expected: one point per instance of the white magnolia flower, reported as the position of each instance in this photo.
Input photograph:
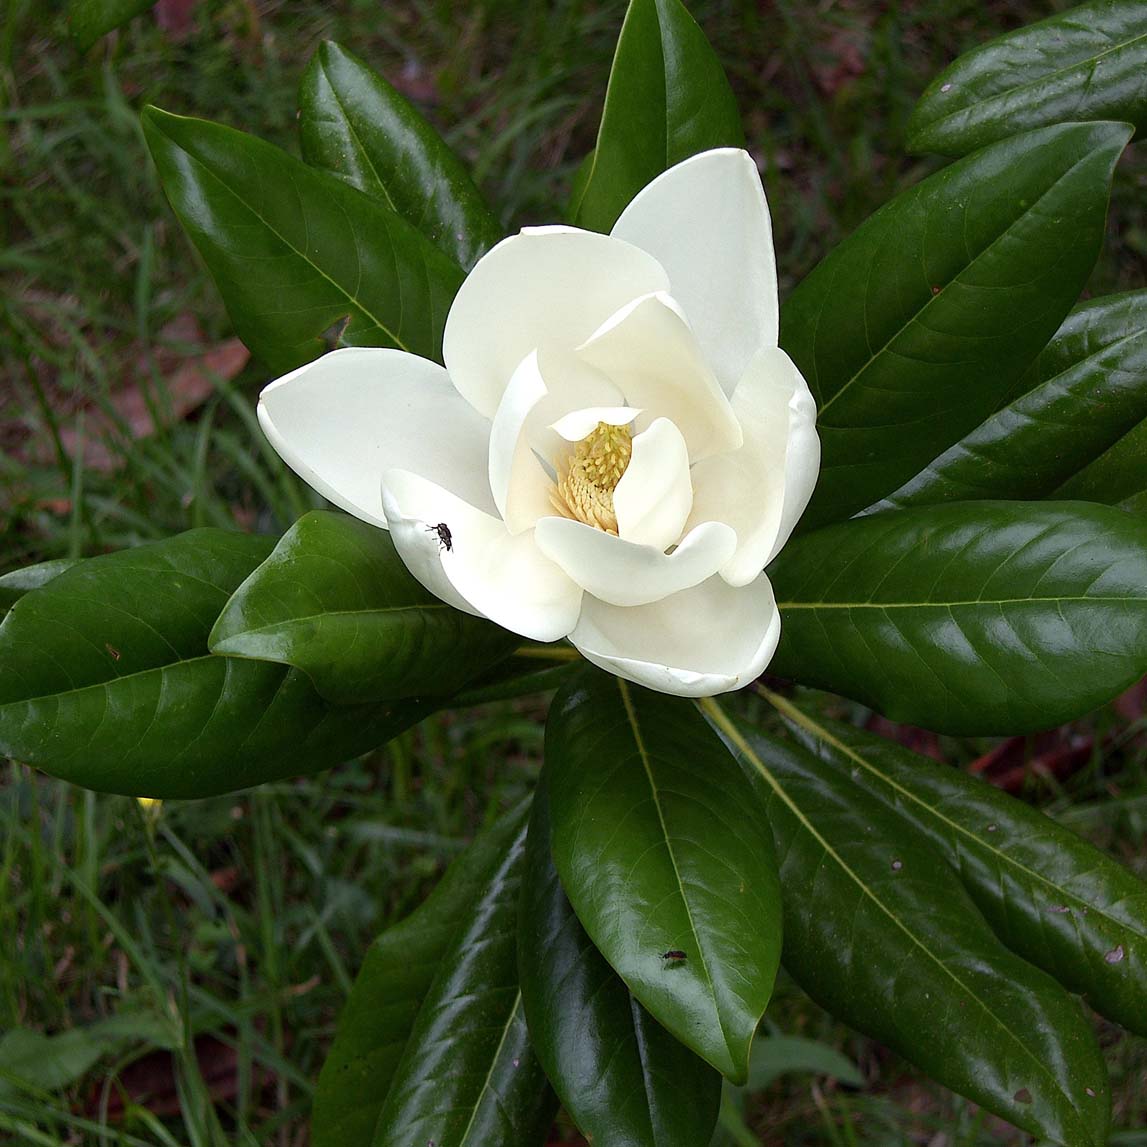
(615, 448)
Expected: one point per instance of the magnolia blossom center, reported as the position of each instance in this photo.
(589, 475)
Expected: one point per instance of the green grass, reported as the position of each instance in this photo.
(244, 918)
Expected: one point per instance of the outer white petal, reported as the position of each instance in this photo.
(520, 485)
(649, 352)
(623, 573)
(706, 221)
(762, 489)
(495, 574)
(548, 288)
(341, 420)
(653, 499)
(705, 640)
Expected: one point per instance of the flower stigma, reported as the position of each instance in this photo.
(585, 485)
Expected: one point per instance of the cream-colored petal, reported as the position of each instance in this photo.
(762, 489)
(548, 288)
(653, 499)
(648, 351)
(706, 221)
(519, 483)
(485, 569)
(576, 425)
(706, 640)
(341, 420)
(624, 573)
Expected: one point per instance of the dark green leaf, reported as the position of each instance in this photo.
(1117, 477)
(879, 931)
(294, 250)
(661, 846)
(621, 1076)
(16, 583)
(1085, 391)
(916, 327)
(91, 19)
(974, 617)
(1049, 895)
(353, 123)
(468, 1076)
(516, 677)
(335, 600)
(106, 680)
(1086, 63)
(667, 100)
(388, 993)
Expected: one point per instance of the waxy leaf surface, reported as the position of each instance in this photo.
(667, 100)
(1086, 63)
(468, 1076)
(389, 991)
(1086, 390)
(106, 680)
(1118, 477)
(914, 329)
(295, 251)
(661, 846)
(335, 600)
(619, 1074)
(354, 124)
(16, 583)
(1049, 895)
(879, 930)
(973, 617)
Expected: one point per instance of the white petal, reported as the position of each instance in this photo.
(548, 288)
(576, 425)
(624, 573)
(653, 499)
(705, 640)
(762, 489)
(706, 221)
(341, 420)
(649, 352)
(520, 485)
(495, 574)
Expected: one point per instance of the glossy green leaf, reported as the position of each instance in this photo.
(1049, 895)
(623, 1079)
(974, 617)
(16, 583)
(468, 1076)
(335, 600)
(916, 327)
(661, 846)
(667, 100)
(1085, 391)
(354, 124)
(106, 680)
(516, 677)
(388, 993)
(879, 930)
(1086, 63)
(1118, 477)
(295, 251)
(88, 20)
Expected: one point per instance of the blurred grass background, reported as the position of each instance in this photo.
(195, 956)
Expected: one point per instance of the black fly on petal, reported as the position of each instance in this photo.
(445, 538)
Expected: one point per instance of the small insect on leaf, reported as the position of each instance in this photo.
(673, 956)
(445, 539)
